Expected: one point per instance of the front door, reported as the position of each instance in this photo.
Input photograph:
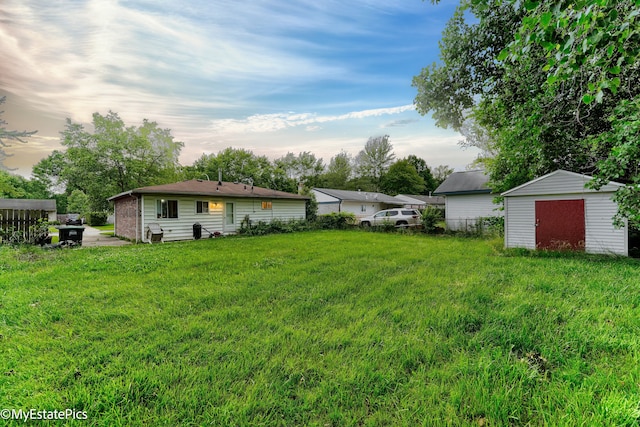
(560, 224)
(229, 217)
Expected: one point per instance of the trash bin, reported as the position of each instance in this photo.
(197, 231)
(70, 233)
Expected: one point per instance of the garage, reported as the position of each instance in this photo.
(557, 212)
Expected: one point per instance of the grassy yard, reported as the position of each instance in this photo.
(321, 328)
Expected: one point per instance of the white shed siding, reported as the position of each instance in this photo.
(462, 210)
(600, 234)
(181, 228)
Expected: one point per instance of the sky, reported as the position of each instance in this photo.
(269, 76)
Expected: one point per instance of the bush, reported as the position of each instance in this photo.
(96, 218)
(336, 221)
(430, 218)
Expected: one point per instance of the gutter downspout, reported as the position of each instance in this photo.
(142, 218)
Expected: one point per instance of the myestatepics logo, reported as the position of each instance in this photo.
(35, 414)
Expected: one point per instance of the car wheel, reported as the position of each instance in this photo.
(402, 224)
(365, 224)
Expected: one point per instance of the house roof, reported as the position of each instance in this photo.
(198, 187)
(360, 196)
(467, 182)
(29, 204)
(420, 199)
(559, 182)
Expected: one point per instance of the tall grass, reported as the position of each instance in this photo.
(321, 328)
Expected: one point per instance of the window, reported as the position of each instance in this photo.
(167, 208)
(266, 206)
(363, 208)
(202, 207)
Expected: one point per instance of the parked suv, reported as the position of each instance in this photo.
(399, 217)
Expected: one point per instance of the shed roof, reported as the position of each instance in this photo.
(360, 196)
(48, 205)
(559, 182)
(467, 182)
(197, 187)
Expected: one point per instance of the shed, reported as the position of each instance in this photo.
(215, 205)
(467, 199)
(557, 211)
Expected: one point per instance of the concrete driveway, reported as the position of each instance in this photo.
(92, 237)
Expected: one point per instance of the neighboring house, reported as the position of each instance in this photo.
(20, 214)
(216, 206)
(359, 203)
(467, 198)
(419, 201)
(556, 211)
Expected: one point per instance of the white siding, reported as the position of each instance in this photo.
(181, 228)
(361, 209)
(462, 211)
(324, 198)
(328, 207)
(600, 234)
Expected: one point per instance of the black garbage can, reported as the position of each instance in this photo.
(197, 231)
(70, 233)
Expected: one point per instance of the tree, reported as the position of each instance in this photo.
(440, 173)
(9, 135)
(374, 160)
(424, 171)
(113, 159)
(78, 202)
(304, 168)
(339, 171)
(500, 74)
(17, 187)
(235, 165)
(402, 178)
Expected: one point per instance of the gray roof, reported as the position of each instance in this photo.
(360, 196)
(198, 187)
(48, 205)
(468, 182)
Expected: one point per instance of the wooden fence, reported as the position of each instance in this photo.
(19, 220)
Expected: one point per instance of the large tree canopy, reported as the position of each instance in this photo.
(112, 159)
(542, 84)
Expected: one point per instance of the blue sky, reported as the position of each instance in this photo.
(269, 76)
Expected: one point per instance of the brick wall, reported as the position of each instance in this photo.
(126, 216)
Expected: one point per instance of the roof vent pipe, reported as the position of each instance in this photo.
(219, 176)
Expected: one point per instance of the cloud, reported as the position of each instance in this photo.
(398, 123)
(275, 122)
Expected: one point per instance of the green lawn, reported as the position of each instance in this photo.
(321, 328)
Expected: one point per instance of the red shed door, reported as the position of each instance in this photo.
(560, 224)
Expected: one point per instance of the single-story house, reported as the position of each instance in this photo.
(359, 203)
(556, 211)
(217, 206)
(467, 198)
(419, 201)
